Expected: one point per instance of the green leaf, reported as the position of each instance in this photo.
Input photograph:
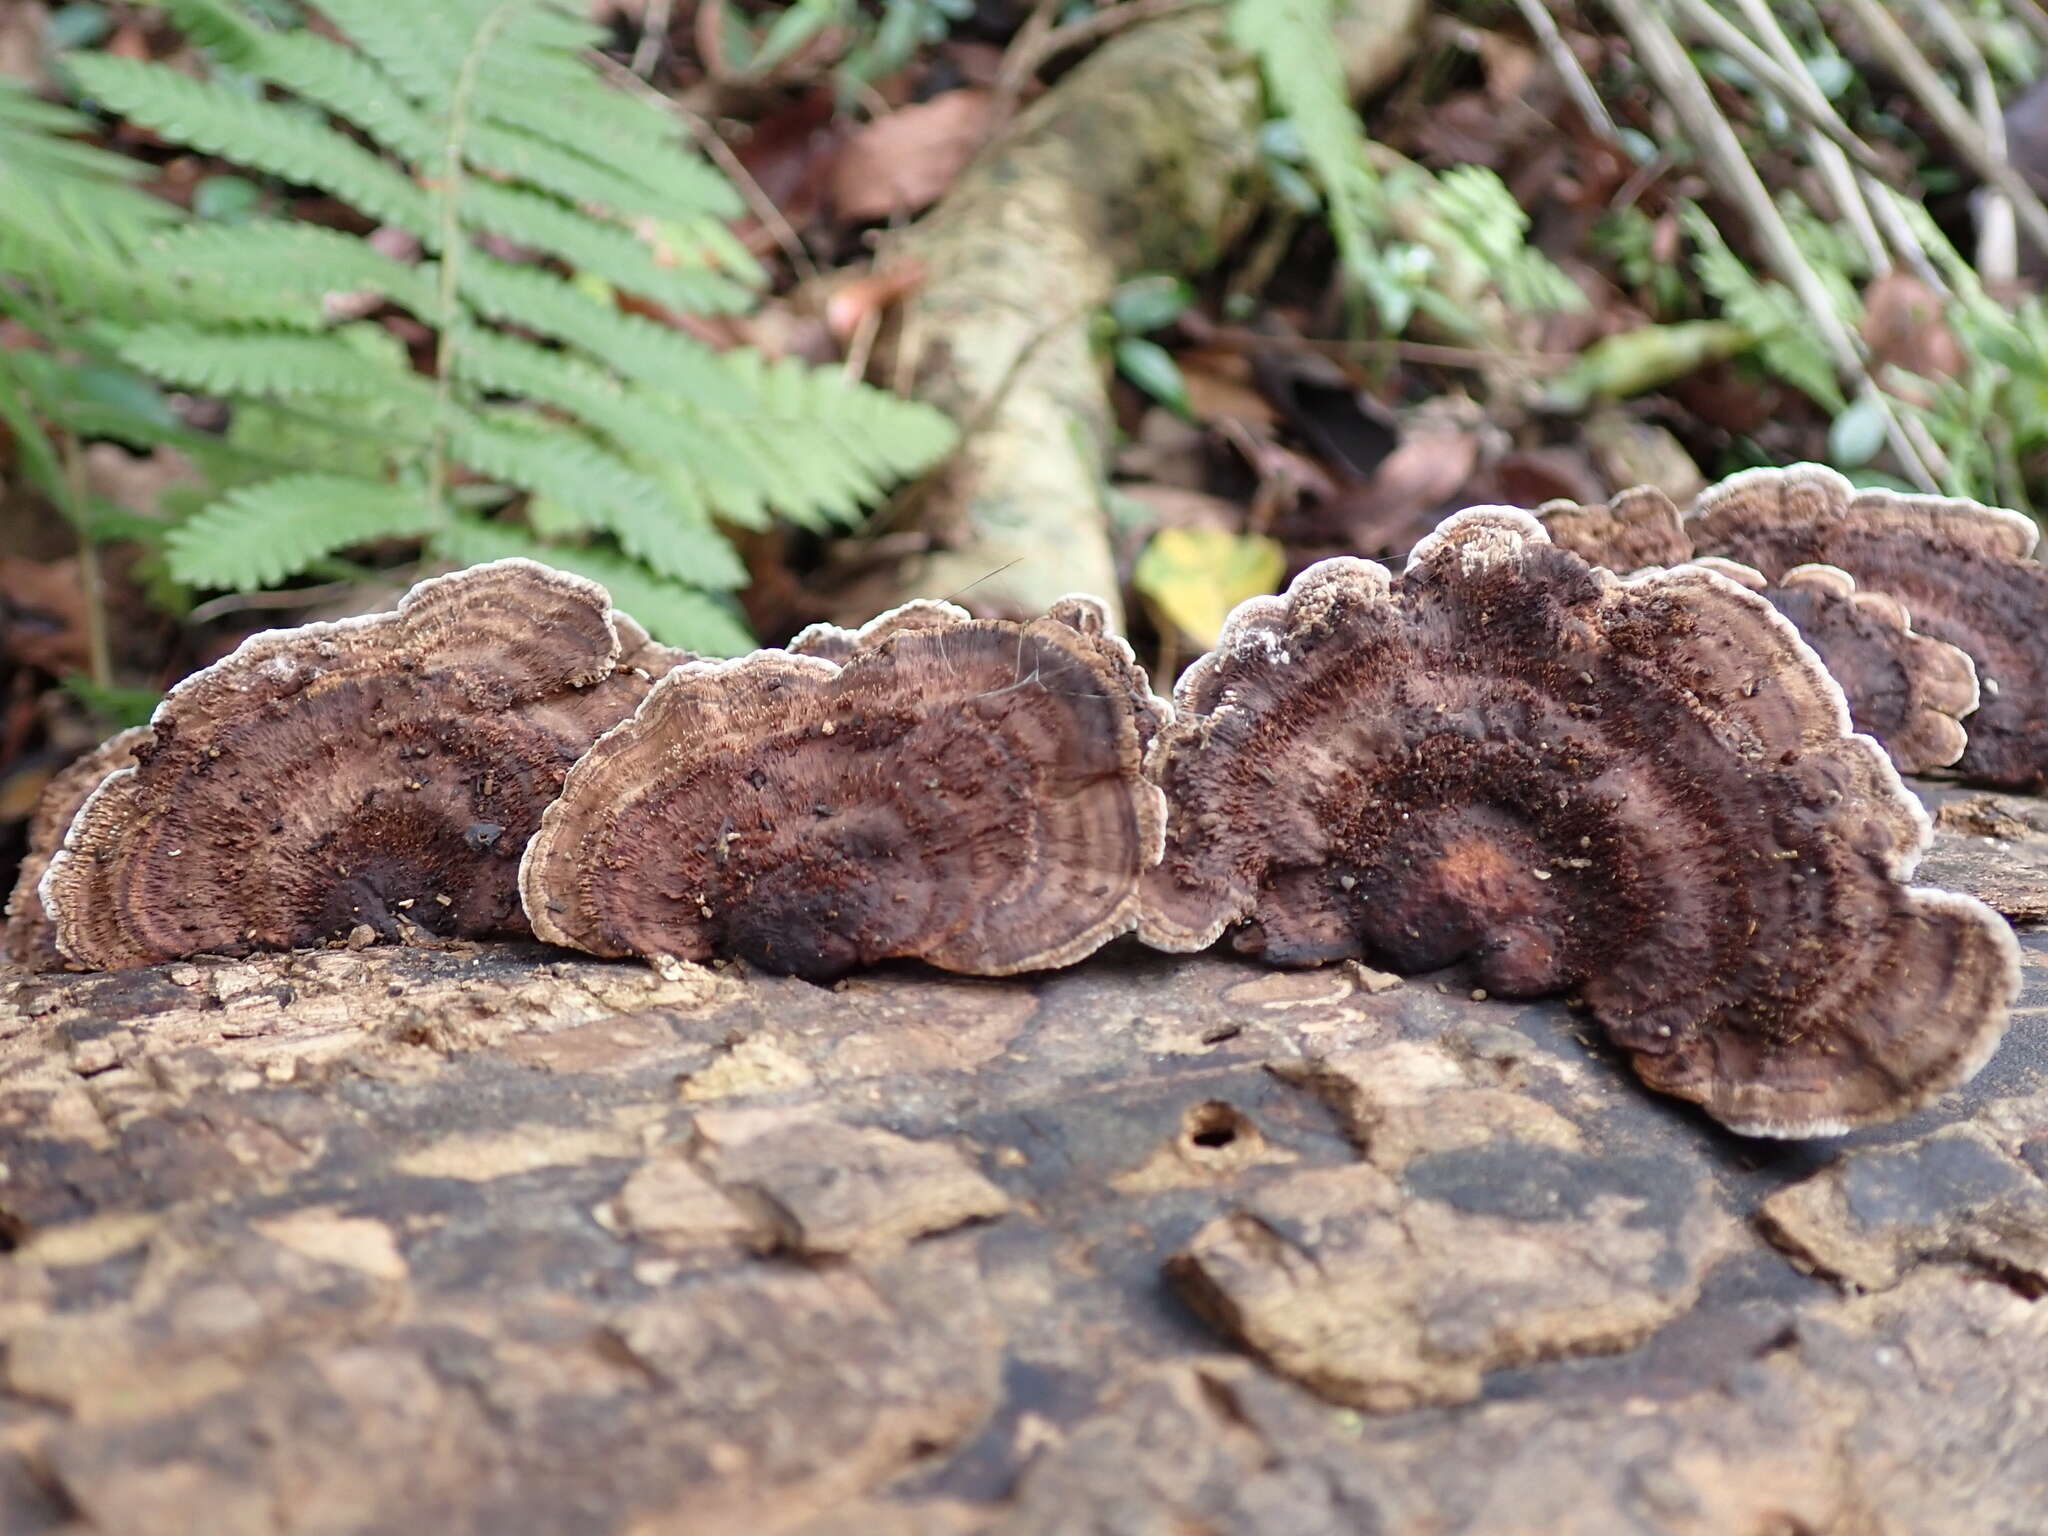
(264, 533)
(1857, 435)
(615, 254)
(211, 116)
(564, 465)
(267, 363)
(1193, 577)
(1150, 303)
(1152, 368)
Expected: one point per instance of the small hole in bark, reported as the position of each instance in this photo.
(13, 1231)
(1214, 1125)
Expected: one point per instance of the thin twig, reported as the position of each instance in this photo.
(1998, 256)
(288, 597)
(861, 346)
(2033, 15)
(99, 658)
(1020, 62)
(653, 37)
(1406, 351)
(1793, 87)
(1107, 23)
(1038, 42)
(1881, 197)
(1949, 114)
(1664, 58)
(1569, 69)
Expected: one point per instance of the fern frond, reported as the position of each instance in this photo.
(540, 302)
(262, 534)
(211, 116)
(606, 250)
(268, 363)
(673, 613)
(1304, 77)
(59, 197)
(314, 68)
(824, 444)
(419, 46)
(1770, 312)
(278, 271)
(638, 139)
(566, 466)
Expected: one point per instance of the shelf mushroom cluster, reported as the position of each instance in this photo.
(1643, 790)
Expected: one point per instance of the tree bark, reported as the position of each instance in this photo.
(489, 1240)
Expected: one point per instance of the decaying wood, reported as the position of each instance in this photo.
(1143, 159)
(488, 1240)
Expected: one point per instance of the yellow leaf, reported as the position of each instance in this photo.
(1193, 577)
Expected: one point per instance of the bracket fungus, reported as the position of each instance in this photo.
(381, 772)
(1630, 531)
(1641, 790)
(964, 792)
(1962, 570)
(31, 939)
(1908, 690)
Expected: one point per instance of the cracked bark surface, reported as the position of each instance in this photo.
(486, 1239)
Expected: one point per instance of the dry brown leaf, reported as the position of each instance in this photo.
(1904, 327)
(1219, 384)
(854, 299)
(903, 162)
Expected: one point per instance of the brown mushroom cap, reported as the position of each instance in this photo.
(1644, 790)
(383, 771)
(31, 939)
(1908, 690)
(962, 792)
(1961, 570)
(1630, 531)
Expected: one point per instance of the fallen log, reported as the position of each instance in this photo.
(490, 1239)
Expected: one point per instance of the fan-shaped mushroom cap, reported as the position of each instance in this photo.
(962, 792)
(1908, 690)
(1961, 570)
(1630, 531)
(1643, 789)
(379, 771)
(31, 940)
(838, 645)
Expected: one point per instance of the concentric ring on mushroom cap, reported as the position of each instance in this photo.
(382, 771)
(1642, 790)
(31, 938)
(1961, 569)
(965, 792)
(1907, 690)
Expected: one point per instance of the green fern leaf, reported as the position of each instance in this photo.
(421, 47)
(263, 534)
(279, 271)
(640, 349)
(673, 613)
(606, 250)
(564, 465)
(211, 116)
(1769, 312)
(318, 69)
(269, 363)
(1304, 76)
